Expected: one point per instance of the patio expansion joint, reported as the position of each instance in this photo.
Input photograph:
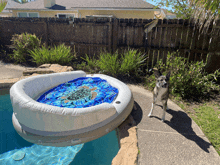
(176, 133)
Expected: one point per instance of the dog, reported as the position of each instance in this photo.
(161, 91)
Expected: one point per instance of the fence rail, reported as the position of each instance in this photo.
(92, 35)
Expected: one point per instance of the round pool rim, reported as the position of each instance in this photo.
(55, 126)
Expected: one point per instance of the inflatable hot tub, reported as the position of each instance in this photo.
(51, 125)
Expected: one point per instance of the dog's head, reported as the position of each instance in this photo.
(161, 80)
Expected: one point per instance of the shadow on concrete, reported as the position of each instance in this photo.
(137, 113)
(182, 123)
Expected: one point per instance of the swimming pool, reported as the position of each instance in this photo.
(100, 151)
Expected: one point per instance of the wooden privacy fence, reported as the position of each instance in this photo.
(184, 36)
(92, 35)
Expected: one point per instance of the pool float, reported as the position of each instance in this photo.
(50, 125)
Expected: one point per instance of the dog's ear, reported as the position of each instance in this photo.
(157, 73)
(168, 75)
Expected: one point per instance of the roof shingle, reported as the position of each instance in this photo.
(71, 4)
(10, 4)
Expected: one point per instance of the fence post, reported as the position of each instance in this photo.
(46, 31)
(110, 36)
(1, 20)
(115, 35)
(146, 42)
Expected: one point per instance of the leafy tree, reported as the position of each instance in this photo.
(2, 5)
(202, 12)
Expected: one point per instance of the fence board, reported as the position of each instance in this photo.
(215, 43)
(160, 33)
(149, 38)
(176, 40)
(169, 34)
(163, 36)
(115, 35)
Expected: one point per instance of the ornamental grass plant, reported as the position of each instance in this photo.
(109, 63)
(131, 62)
(125, 64)
(60, 54)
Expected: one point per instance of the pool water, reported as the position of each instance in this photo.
(97, 152)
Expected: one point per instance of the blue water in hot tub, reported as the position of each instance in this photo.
(97, 152)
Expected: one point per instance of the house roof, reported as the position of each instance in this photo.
(88, 4)
(10, 4)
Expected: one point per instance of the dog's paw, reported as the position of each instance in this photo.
(167, 109)
(163, 119)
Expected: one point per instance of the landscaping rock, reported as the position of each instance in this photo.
(47, 68)
(127, 155)
(37, 70)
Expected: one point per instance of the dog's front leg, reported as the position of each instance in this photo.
(164, 110)
(152, 108)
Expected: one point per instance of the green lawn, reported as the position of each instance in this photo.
(208, 119)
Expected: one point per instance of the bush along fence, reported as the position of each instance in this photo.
(93, 35)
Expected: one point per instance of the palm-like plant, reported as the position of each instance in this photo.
(203, 12)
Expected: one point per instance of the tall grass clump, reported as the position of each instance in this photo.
(187, 80)
(109, 63)
(89, 64)
(116, 64)
(23, 44)
(60, 54)
(105, 63)
(131, 61)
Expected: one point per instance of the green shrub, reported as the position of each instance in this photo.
(89, 65)
(58, 54)
(109, 63)
(115, 64)
(24, 43)
(131, 61)
(187, 80)
(106, 63)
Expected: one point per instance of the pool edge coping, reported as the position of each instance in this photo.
(127, 132)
